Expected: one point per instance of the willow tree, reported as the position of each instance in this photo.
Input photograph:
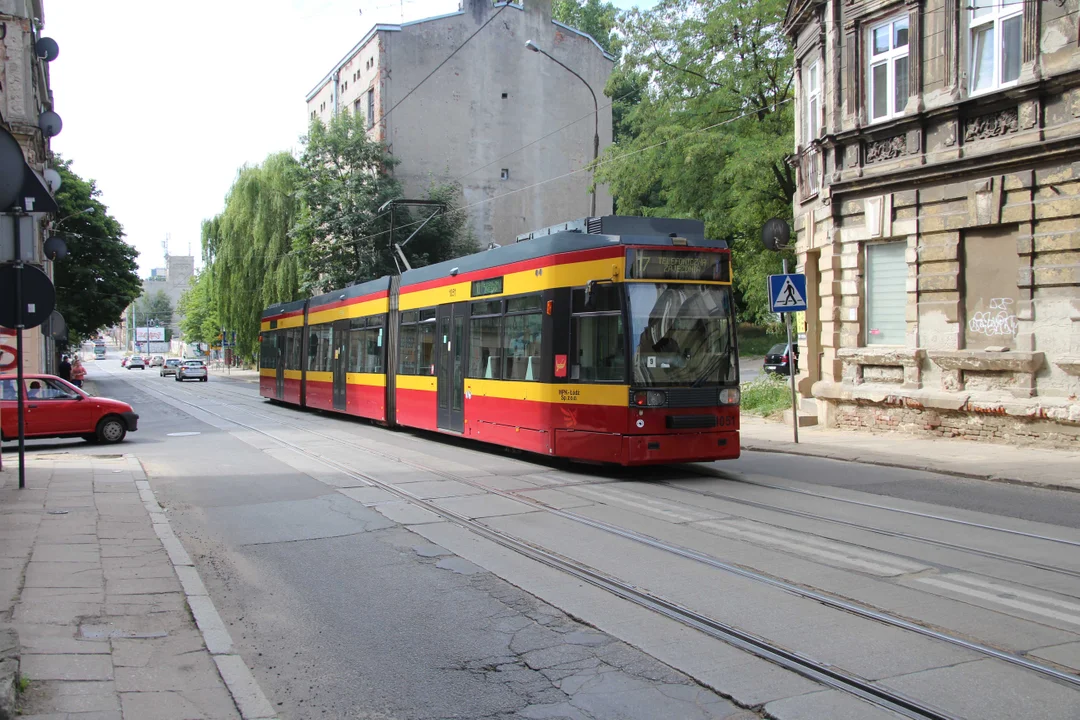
(247, 249)
(711, 126)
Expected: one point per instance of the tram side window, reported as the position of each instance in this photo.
(522, 331)
(319, 354)
(268, 350)
(293, 343)
(597, 340)
(356, 347)
(485, 340)
(425, 360)
(407, 358)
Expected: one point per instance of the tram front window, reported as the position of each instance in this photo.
(682, 334)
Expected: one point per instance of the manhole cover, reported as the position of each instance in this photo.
(183, 434)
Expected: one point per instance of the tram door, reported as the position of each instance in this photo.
(279, 343)
(450, 366)
(340, 363)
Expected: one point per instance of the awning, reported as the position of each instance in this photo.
(35, 195)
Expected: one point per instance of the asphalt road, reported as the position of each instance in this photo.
(349, 603)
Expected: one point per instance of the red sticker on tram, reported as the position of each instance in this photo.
(560, 366)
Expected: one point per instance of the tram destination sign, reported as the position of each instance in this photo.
(678, 265)
(491, 286)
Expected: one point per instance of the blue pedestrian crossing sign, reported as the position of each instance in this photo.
(787, 293)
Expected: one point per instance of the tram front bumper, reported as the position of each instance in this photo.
(680, 447)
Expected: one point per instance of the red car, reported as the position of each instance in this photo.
(56, 408)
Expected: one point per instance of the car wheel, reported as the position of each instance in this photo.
(111, 429)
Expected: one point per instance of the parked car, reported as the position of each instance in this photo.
(776, 360)
(56, 408)
(191, 370)
(157, 361)
(170, 366)
(136, 361)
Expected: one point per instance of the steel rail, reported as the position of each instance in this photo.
(878, 531)
(824, 598)
(819, 672)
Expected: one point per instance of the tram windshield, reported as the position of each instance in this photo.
(682, 334)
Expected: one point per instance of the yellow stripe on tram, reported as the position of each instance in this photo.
(417, 382)
(563, 394)
(378, 306)
(371, 379)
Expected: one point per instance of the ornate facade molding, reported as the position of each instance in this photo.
(887, 149)
(991, 125)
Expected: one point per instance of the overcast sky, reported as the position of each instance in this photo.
(162, 102)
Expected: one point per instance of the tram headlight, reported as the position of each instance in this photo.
(649, 398)
(730, 396)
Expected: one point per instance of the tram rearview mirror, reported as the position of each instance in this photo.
(590, 295)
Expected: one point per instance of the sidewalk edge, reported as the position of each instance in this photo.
(249, 698)
(789, 449)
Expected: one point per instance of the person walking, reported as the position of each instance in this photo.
(78, 372)
(64, 371)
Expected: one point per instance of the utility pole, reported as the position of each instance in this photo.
(21, 390)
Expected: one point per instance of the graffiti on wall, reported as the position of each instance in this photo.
(998, 321)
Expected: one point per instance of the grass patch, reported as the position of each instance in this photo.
(755, 341)
(23, 684)
(765, 395)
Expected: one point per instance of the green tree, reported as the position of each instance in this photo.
(247, 249)
(200, 323)
(599, 19)
(341, 235)
(99, 277)
(711, 133)
(154, 306)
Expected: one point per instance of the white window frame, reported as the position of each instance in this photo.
(999, 12)
(888, 58)
(812, 93)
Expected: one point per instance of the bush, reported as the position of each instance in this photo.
(755, 341)
(766, 394)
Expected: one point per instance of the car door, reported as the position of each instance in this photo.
(54, 408)
(9, 408)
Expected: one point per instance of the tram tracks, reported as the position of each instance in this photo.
(761, 647)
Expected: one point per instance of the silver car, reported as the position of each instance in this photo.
(191, 370)
(170, 367)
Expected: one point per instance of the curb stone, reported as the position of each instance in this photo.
(246, 693)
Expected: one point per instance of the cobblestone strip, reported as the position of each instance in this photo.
(246, 693)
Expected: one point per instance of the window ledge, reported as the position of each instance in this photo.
(1069, 363)
(980, 360)
(887, 356)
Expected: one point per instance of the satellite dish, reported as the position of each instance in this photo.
(55, 248)
(775, 234)
(56, 327)
(53, 179)
(12, 168)
(50, 123)
(47, 49)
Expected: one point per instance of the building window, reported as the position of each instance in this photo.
(504, 96)
(886, 293)
(996, 43)
(991, 266)
(504, 174)
(371, 107)
(812, 106)
(888, 70)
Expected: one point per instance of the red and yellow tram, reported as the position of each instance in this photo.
(607, 339)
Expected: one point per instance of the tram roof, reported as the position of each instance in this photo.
(584, 234)
(283, 308)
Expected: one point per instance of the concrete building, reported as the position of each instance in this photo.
(469, 122)
(937, 216)
(25, 94)
(174, 280)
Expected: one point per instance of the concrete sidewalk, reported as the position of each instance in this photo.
(101, 596)
(1030, 466)
(251, 376)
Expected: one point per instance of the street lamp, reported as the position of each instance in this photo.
(596, 117)
(86, 211)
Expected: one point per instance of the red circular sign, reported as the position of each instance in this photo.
(7, 358)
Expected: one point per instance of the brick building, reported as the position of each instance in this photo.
(469, 121)
(938, 215)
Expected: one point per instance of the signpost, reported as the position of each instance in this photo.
(787, 294)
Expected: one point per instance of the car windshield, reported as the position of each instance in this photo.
(777, 350)
(172, 362)
(193, 363)
(682, 333)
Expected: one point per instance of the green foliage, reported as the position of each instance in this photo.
(201, 322)
(155, 306)
(755, 341)
(765, 395)
(247, 250)
(341, 237)
(599, 19)
(708, 137)
(99, 277)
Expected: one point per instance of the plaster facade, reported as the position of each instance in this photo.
(473, 121)
(174, 281)
(24, 94)
(915, 133)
